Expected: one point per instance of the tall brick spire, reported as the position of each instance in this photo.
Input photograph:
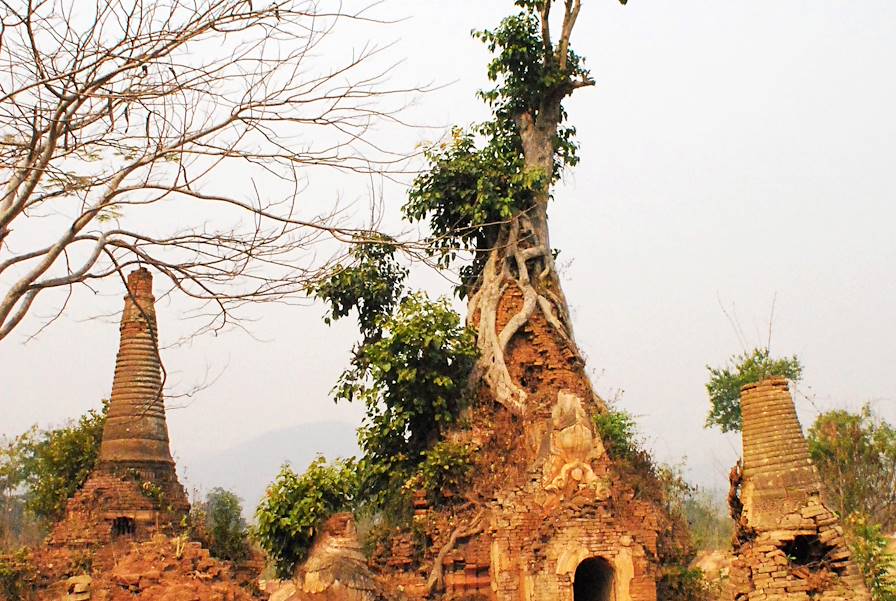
(136, 435)
(133, 491)
(778, 474)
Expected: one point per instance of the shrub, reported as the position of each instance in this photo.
(444, 471)
(295, 507)
(869, 551)
(223, 525)
(412, 381)
(748, 368)
(618, 431)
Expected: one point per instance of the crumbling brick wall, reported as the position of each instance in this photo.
(789, 545)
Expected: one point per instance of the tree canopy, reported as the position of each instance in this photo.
(855, 453)
(49, 466)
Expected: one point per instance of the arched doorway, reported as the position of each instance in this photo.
(593, 580)
(123, 527)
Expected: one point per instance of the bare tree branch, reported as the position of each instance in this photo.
(124, 125)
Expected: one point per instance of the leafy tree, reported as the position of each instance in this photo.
(855, 454)
(411, 381)
(51, 465)
(747, 368)
(485, 195)
(220, 525)
(296, 506)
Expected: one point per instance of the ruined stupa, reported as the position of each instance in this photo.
(788, 545)
(133, 491)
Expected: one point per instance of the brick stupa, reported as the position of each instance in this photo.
(133, 491)
(788, 545)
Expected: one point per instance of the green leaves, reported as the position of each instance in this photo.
(855, 454)
(53, 464)
(725, 383)
(295, 507)
(444, 471)
(469, 192)
(371, 285)
(412, 381)
(478, 180)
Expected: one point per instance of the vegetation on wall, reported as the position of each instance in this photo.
(618, 431)
(869, 550)
(725, 383)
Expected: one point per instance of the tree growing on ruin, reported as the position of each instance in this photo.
(177, 134)
(486, 196)
(725, 383)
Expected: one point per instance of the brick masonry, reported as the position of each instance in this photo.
(135, 481)
(789, 545)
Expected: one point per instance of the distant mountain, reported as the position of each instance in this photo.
(248, 468)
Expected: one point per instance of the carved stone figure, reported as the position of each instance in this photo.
(573, 445)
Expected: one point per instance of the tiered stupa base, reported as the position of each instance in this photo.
(122, 503)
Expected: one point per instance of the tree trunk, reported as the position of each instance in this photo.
(524, 335)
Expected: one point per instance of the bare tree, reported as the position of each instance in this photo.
(176, 134)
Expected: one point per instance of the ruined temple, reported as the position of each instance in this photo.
(788, 544)
(133, 491)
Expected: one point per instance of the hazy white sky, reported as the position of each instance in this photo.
(732, 151)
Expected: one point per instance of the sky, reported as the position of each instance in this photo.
(738, 163)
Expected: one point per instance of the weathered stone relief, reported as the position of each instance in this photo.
(573, 445)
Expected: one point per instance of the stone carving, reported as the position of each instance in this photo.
(573, 446)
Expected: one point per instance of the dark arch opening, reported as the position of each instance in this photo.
(593, 580)
(123, 527)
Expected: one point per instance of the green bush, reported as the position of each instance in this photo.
(869, 551)
(51, 465)
(748, 368)
(618, 431)
(218, 522)
(444, 471)
(412, 381)
(295, 507)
